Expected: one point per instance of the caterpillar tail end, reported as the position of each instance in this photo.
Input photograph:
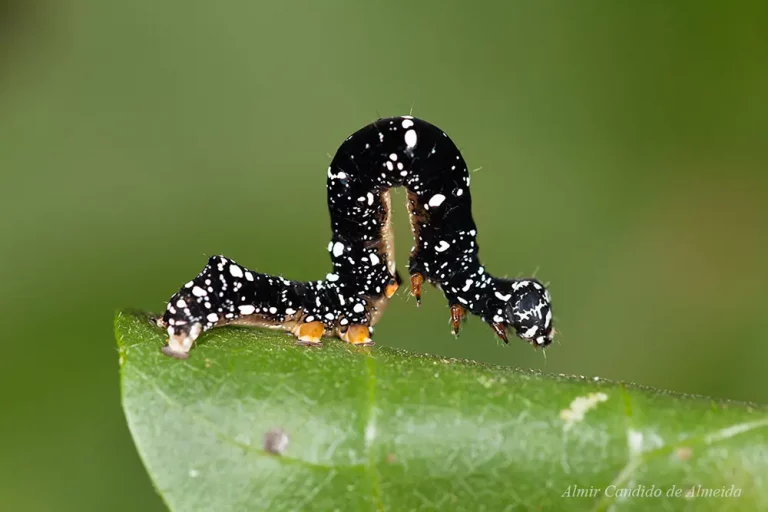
(180, 340)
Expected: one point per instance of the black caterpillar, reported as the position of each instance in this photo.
(388, 153)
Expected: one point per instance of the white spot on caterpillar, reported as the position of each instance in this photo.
(579, 407)
(273, 310)
(189, 284)
(235, 271)
(459, 192)
(530, 333)
(501, 296)
(442, 246)
(290, 311)
(329, 316)
(199, 292)
(393, 157)
(249, 276)
(467, 284)
(338, 249)
(390, 166)
(548, 319)
(520, 284)
(370, 198)
(344, 321)
(359, 308)
(213, 318)
(247, 310)
(375, 259)
(436, 200)
(330, 244)
(341, 175)
(332, 277)
(411, 138)
(181, 304)
(407, 123)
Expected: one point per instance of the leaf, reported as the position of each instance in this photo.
(384, 429)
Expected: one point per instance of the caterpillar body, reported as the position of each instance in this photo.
(399, 151)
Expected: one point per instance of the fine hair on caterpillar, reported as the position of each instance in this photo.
(398, 151)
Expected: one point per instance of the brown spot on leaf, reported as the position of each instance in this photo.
(276, 441)
(684, 452)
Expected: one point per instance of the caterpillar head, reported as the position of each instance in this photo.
(529, 311)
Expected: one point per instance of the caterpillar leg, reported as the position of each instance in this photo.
(393, 285)
(309, 334)
(359, 335)
(501, 331)
(417, 280)
(458, 314)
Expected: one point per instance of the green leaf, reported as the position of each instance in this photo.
(384, 429)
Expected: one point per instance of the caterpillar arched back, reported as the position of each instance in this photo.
(399, 151)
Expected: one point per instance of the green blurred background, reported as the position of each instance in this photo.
(624, 158)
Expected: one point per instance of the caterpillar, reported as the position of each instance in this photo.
(398, 151)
